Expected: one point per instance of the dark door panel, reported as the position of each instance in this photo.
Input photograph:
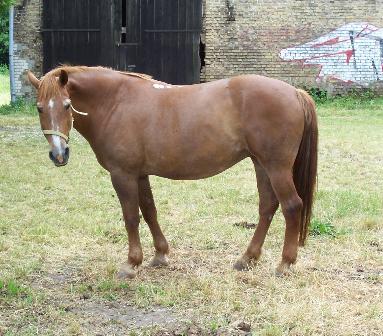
(160, 38)
(157, 37)
(171, 40)
(76, 32)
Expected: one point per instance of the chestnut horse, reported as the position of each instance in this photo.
(138, 127)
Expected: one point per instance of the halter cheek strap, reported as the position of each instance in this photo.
(62, 135)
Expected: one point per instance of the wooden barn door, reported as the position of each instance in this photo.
(160, 38)
(157, 37)
(128, 35)
(77, 32)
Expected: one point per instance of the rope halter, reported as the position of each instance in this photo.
(62, 135)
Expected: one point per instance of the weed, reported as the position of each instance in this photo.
(4, 70)
(320, 227)
(20, 107)
(319, 95)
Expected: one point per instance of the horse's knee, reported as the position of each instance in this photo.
(292, 207)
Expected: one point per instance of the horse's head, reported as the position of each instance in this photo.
(53, 105)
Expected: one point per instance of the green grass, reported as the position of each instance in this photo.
(62, 240)
(5, 96)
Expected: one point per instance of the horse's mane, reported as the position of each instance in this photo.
(49, 85)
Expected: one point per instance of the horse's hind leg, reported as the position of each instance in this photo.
(291, 204)
(268, 204)
(149, 213)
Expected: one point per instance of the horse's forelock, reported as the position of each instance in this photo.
(49, 87)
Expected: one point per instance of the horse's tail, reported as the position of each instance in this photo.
(305, 165)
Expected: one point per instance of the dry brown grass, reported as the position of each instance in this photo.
(62, 240)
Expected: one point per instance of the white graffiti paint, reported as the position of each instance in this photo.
(351, 53)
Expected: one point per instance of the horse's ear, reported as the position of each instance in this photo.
(63, 79)
(33, 79)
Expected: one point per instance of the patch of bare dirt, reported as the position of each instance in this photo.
(122, 314)
(238, 328)
(372, 276)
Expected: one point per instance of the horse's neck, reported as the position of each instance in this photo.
(87, 95)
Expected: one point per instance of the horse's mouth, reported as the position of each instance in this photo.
(57, 164)
(63, 159)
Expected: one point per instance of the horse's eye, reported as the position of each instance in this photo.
(66, 104)
(39, 109)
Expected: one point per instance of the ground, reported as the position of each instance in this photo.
(62, 240)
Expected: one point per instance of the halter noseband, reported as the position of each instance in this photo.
(51, 132)
(62, 135)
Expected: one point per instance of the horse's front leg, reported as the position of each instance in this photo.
(149, 212)
(126, 187)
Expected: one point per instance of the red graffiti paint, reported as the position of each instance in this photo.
(349, 54)
(332, 41)
(359, 42)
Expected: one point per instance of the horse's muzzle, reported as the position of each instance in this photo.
(59, 158)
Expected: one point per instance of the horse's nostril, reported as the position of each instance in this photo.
(66, 155)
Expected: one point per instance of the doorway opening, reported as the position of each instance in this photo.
(202, 54)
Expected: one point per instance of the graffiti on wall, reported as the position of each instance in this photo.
(352, 53)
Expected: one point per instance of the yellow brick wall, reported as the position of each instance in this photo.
(262, 28)
(27, 44)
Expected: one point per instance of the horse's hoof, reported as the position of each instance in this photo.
(241, 265)
(159, 260)
(126, 272)
(283, 269)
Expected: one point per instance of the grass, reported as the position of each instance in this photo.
(5, 96)
(62, 240)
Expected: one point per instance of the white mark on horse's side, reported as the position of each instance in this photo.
(168, 86)
(51, 103)
(158, 86)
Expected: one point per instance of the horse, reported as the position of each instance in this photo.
(138, 127)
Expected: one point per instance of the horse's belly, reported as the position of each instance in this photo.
(195, 173)
(201, 163)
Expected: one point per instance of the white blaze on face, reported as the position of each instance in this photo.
(51, 103)
(56, 141)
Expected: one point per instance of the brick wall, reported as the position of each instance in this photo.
(328, 43)
(27, 44)
(304, 42)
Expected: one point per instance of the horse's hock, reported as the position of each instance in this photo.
(338, 45)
